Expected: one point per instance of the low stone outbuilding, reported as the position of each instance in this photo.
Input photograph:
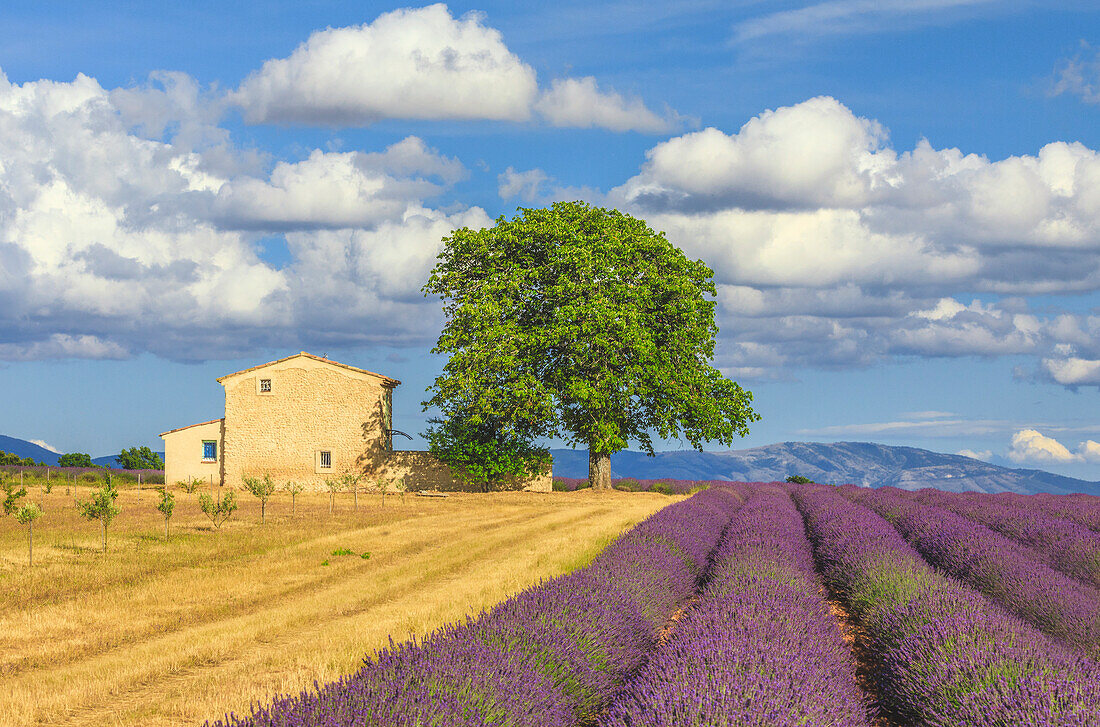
(307, 419)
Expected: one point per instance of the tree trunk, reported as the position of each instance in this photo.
(104, 535)
(166, 529)
(263, 511)
(599, 470)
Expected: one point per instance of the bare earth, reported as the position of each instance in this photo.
(154, 633)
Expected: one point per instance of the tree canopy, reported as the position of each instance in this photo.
(75, 459)
(581, 323)
(7, 458)
(139, 458)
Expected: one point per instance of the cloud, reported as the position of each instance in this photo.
(843, 17)
(409, 63)
(1028, 445)
(1072, 371)
(1079, 75)
(123, 232)
(336, 190)
(41, 443)
(525, 185)
(984, 455)
(1089, 451)
(579, 103)
(916, 427)
(832, 249)
(423, 63)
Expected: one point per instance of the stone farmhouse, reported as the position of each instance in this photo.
(304, 418)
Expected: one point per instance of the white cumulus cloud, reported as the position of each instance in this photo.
(1028, 445)
(122, 232)
(424, 63)
(409, 63)
(832, 248)
(579, 102)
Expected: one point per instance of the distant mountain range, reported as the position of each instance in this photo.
(859, 463)
(23, 448)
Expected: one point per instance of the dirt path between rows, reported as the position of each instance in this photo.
(864, 659)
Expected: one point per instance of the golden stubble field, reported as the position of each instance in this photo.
(155, 633)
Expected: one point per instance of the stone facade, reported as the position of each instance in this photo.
(307, 419)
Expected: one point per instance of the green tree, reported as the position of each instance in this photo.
(166, 505)
(218, 509)
(14, 460)
(350, 481)
(295, 489)
(382, 484)
(485, 456)
(101, 507)
(75, 459)
(139, 458)
(26, 515)
(581, 323)
(799, 480)
(261, 488)
(333, 486)
(11, 495)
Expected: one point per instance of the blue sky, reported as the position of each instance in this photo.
(901, 200)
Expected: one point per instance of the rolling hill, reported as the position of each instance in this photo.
(23, 448)
(860, 463)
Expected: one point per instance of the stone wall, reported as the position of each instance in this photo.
(312, 407)
(422, 471)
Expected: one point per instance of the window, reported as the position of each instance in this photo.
(209, 451)
(265, 386)
(326, 460)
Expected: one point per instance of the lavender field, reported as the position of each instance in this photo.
(770, 604)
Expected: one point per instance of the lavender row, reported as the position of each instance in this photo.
(946, 656)
(1003, 570)
(759, 648)
(1081, 509)
(1065, 545)
(550, 656)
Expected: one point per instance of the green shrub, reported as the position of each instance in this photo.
(559, 486)
(627, 484)
(662, 487)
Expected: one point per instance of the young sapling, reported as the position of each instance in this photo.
(166, 505)
(294, 488)
(333, 486)
(218, 509)
(101, 507)
(262, 488)
(383, 486)
(26, 515)
(350, 481)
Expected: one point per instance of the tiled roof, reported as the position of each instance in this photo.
(386, 380)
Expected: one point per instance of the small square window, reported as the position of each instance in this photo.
(209, 451)
(326, 460)
(265, 386)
